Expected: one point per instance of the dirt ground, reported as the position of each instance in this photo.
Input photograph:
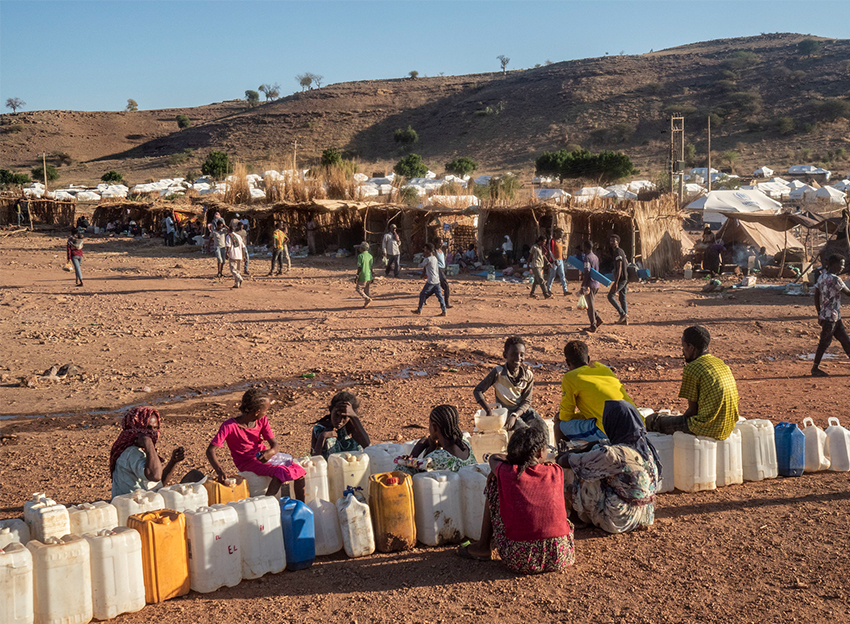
(151, 325)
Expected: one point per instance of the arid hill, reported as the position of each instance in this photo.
(766, 97)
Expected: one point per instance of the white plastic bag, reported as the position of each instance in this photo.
(582, 302)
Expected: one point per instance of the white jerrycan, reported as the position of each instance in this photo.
(16, 574)
(215, 556)
(61, 579)
(328, 532)
(355, 522)
(260, 536)
(473, 479)
(12, 531)
(817, 447)
(92, 517)
(382, 457)
(117, 578)
(838, 439)
(183, 496)
(137, 502)
(348, 470)
(46, 518)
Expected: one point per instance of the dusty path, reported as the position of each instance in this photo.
(151, 318)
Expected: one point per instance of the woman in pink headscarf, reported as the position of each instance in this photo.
(133, 460)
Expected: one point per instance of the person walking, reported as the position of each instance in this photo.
(589, 286)
(75, 254)
(620, 283)
(364, 273)
(312, 227)
(441, 265)
(391, 246)
(242, 232)
(169, 231)
(828, 290)
(556, 253)
(432, 282)
(537, 261)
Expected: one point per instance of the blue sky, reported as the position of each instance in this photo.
(95, 55)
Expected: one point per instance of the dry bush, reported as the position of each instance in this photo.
(339, 183)
(275, 189)
(238, 190)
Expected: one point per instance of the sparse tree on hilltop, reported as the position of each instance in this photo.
(504, 60)
(413, 75)
(183, 121)
(15, 103)
(305, 80)
(132, 105)
(270, 91)
(317, 79)
(253, 97)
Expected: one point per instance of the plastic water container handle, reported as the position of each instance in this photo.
(808, 421)
(830, 423)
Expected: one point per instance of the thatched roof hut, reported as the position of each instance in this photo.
(43, 211)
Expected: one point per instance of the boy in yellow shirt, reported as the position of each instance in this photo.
(585, 387)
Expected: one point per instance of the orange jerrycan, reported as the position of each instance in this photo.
(391, 505)
(165, 554)
(232, 490)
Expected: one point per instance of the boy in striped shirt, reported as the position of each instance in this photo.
(514, 383)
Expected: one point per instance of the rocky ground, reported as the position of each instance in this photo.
(152, 325)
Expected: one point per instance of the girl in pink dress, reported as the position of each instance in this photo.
(246, 436)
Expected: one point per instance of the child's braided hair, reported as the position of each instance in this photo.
(252, 400)
(447, 421)
(525, 446)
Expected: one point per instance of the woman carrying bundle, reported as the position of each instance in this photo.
(613, 484)
(524, 516)
(444, 445)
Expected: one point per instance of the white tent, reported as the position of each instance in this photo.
(693, 189)
(803, 193)
(556, 195)
(808, 170)
(732, 201)
(843, 185)
(591, 192)
(763, 172)
(830, 195)
(453, 201)
(620, 191)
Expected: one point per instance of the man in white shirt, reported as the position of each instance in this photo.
(441, 265)
(169, 231)
(432, 282)
(391, 246)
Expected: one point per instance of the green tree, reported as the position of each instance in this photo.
(305, 80)
(605, 167)
(830, 110)
(550, 163)
(690, 154)
(132, 105)
(808, 47)
(331, 157)
(405, 136)
(15, 103)
(409, 195)
(461, 166)
(411, 166)
(253, 97)
(503, 62)
(10, 178)
(183, 121)
(112, 176)
(272, 92)
(730, 157)
(413, 75)
(216, 165)
(38, 173)
(504, 187)
(784, 125)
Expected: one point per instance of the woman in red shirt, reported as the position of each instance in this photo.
(75, 254)
(526, 515)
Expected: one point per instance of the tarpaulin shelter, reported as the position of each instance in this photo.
(757, 235)
(715, 204)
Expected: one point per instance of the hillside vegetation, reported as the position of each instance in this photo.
(770, 102)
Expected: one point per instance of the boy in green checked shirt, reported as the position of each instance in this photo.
(709, 387)
(364, 273)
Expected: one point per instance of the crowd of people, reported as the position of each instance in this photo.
(602, 472)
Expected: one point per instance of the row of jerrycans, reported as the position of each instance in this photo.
(755, 450)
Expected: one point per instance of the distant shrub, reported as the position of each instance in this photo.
(491, 110)
(132, 105)
(409, 195)
(331, 156)
(183, 121)
(830, 110)
(38, 173)
(61, 158)
(784, 125)
(726, 184)
(14, 128)
(747, 102)
(405, 136)
(742, 59)
(181, 157)
(461, 166)
(253, 97)
(808, 127)
(839, 154)
(216, 165)
(112, 176)
(807, 47)
(411, 166)
(653, 88)
(754, 125)
(10, 178)
(845, 66)
(504, 187)
(690, 154)
(413, 75)
(730, 157)
(806, 153)
(728, 74)
(681, 109)
(716, 120)
(727, 86)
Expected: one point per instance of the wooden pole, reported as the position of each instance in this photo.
(44, 170)
(682, 172)
(708, 168)
(784, 250)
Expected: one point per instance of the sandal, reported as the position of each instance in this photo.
(463, 553)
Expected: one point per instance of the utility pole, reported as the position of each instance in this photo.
(709, 154)
(677, 154)
(44, 170)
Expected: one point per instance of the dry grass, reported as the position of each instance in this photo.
(339, 182)
(238, 190)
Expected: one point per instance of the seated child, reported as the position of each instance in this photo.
(444, 445)
(514, 384)
(525, 517)
(244, 436)
(133, 461)
(340, 431)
